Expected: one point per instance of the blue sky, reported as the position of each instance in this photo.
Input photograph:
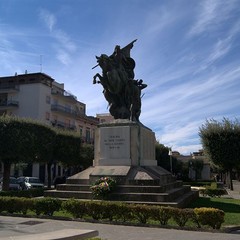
(188, 52)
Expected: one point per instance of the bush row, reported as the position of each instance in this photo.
(36, 192)
(213, 192)
(115, 211)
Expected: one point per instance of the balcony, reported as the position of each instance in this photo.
(63, 125)
(8, 104)
(9, 88)
(64, 93)
(66, 110)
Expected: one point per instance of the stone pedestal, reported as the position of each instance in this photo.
(125, 151)
(124, 143)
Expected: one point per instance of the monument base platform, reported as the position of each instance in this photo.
(124, 175)
(146, 185)
(125, 151)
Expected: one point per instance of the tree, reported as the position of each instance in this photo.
(44, 140)
(87, 155)
(16, 144)
(163, 158)
(67, 148)
(221, 143)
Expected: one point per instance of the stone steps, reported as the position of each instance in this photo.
(122, 188)
(152, 185)
(68, 194)
(168, 196)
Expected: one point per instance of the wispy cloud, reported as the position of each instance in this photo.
(211, 14)
(48, 18)
(64, 45)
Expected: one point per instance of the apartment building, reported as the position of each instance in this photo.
(104, 117)
(39, 96)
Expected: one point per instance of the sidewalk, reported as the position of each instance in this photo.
(236, 190)
(11, 227)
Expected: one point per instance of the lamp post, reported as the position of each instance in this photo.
(170, 154)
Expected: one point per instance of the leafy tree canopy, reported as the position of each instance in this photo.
(221, 142)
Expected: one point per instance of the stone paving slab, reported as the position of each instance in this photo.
(64, 234)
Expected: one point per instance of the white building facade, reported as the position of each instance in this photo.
(40, 97)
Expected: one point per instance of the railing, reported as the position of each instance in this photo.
(63, 125)
(9, 103)
(60, 108)
(8, 87)
(63, 93)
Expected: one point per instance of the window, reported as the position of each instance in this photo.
(67, 108)
(88, 135)
(48, 99)
(47, 116)
(81, 131)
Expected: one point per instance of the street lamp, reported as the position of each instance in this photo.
(170, 154)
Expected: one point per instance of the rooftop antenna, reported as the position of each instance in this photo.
(40, 63)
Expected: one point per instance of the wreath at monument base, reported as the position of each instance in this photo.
(103, 186)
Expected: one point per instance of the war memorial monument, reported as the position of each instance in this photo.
(124, 148)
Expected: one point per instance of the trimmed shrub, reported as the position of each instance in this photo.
(46, 206)
(181, 216)
(161, 214)
(15, 205)
(214, 192)
(141, 212)
(38, 192)
(210, 216)
(123, 213)
(75, 207)
(94, 209)
(110, 210)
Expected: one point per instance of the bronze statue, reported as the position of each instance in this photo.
(120, 89)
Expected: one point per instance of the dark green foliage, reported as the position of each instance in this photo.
(162, 214)
(15, 205)
(214, 192)
(67, 148)
(163, 158)
(75, 207)
(86, 155)
(117, 211)
(141, 212)
(110, 210)
(221, 142)
(94, 210)
(210, 216)
(123, 212)
(46, 206)
(37, 192)
(28, 141)
(181, 216)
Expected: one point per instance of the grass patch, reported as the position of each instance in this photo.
(231, 207)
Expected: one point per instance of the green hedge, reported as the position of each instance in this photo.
(214, 192)
(117, 211)
(37, 192)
